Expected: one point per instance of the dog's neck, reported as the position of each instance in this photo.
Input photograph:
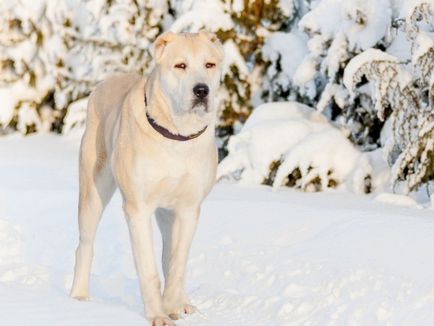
(165, 132)
(157, 110)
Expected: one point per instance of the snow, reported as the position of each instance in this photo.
(362, 22)
(259, 258)
(11, 96)
(320, 155)
(335, 91)
(76, 115)
(233, 58)
(356, 63)
(400, 47)
(396, 199)
(305, 72)
(335, 55)
(197, 15)
(424, 42)
(299, 137)
(8, 105)
(27, 116)
(288, 7)
(367, 21)
(290, 49)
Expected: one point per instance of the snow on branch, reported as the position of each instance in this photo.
(392, 84)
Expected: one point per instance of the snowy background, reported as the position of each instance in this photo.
(364, 66)
(323, 213)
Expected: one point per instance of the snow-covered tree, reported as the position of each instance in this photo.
(284, 50)
(402, 92)
(338, 30)
(27, 46)
(54, 52)
(102, 38)
(367, 62)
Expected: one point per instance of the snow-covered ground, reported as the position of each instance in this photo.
(259, 258)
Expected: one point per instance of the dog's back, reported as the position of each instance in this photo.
(108, 96)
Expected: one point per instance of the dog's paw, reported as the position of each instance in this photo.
(80, 297)
(162, 321)
(176, 313)
(189, 309)
(79, 294)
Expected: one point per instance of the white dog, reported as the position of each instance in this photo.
(154, 139)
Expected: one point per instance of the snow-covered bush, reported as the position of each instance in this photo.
(402, 91)
(290, 144)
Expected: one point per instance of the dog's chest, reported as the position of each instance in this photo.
(170, 181)
(170, 191)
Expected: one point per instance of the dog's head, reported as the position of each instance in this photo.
(189, 70)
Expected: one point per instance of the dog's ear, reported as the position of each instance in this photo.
(160, 43)
(215, 41)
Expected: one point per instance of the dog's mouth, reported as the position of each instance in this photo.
(200, 106)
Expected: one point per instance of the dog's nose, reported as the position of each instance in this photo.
(201, 91)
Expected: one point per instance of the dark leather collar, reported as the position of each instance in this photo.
(166, 133)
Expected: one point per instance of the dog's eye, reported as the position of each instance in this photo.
(209, 65)
(181, 66)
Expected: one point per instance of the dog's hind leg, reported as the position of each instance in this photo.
(96, 189)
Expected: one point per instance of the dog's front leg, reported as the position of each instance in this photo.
(174, 299)
(139, 224)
